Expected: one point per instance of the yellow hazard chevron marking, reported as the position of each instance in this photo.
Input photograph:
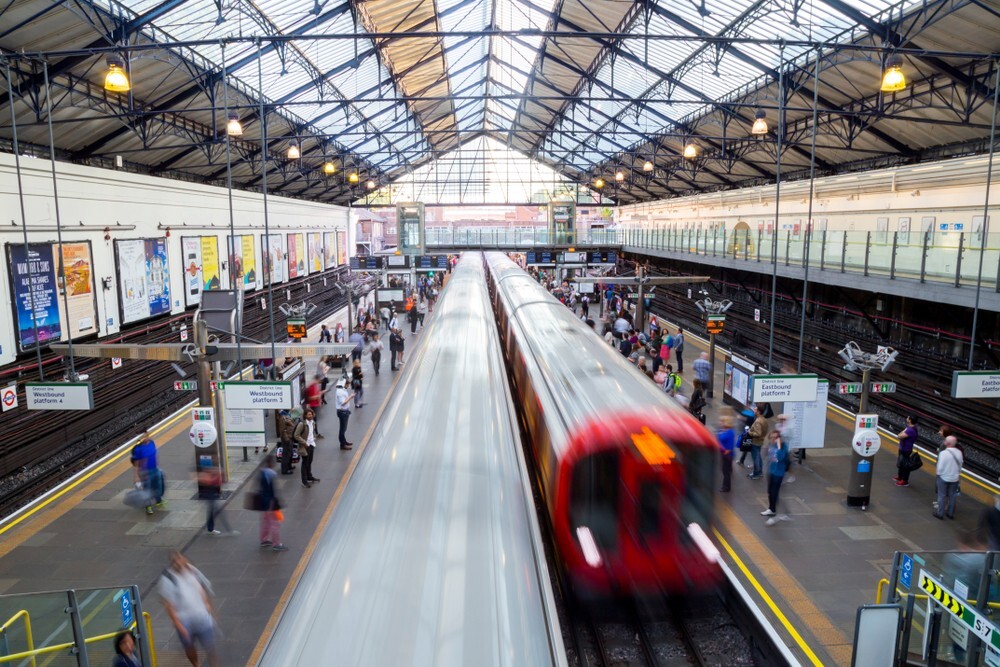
(946, 599)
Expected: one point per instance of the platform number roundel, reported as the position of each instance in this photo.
(8, 397)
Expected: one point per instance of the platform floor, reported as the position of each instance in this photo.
(811, 571)
(825, 560)
(88, 539)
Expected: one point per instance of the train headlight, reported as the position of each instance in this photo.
(699, 537)
(589, 546)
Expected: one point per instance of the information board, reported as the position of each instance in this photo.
(200, 256)
(602, 257)
(368, 263)
(397, 261)
(975, 384)
(539, 258)
(809, 418)
(144, 278)
(432, 262)
(59, 395)
(258, 395)
(784, 387)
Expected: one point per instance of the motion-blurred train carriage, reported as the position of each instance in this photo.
(627, 475)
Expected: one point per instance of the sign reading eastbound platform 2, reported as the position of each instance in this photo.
(258, 395)
(975, 384)
(59, 395)
(784, 387)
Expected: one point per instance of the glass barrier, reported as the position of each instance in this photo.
(972, 577)
(75, 627)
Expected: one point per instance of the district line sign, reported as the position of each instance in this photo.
(785, 387)
(258, 395)
(59, 395)
(975, 384)
(957, 607)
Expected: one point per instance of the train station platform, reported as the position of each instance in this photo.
(812, 569)
(84, 537)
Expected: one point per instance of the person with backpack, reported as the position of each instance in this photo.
(697, 402)
(270, 506)
(286, 434)
(147, 475)
(672, 383)
(357, 384)
(758, 431)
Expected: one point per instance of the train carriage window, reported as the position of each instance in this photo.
(650, 508)
(594, 497)
(696, 507)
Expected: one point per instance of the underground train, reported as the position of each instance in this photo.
(627, 475)
(433, 554)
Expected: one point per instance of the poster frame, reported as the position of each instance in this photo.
(118, 284)
(187, 302)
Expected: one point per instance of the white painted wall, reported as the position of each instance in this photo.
(951, 191)
(101, 197)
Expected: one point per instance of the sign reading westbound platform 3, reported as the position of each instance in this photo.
(258, 395)
(784, 387)
(975, 384)
(59, 395)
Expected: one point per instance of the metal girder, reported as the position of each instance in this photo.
(189, 351)
(120, 36)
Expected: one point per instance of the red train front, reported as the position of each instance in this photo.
(627, 475)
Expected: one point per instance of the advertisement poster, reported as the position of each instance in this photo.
(331, 249)
(33, 276)
(249, 262)
(144, 278)
(274, 259)
(235, 260)
(82, 316)
(341, 248)
(210, 275)
(299, 241)
(293, 257)
(191, 255)
(315, 252)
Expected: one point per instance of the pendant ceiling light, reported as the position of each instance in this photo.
(647, 166)
(233, 127)
(116, 80)
(353, 177)
(293, 151)
(690, 151)
(598, 182)
(329, 168)
(759, 123)
(893, 79)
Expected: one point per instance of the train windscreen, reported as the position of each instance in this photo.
(594, 498)
(696, 506)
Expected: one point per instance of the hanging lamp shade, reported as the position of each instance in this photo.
(893, 79)
(353, 177)
(370, 185)
(329, 168)
(598, 182)
(647, 166)
(690, 151)
(233, 126)
(759, 123)
(293, 151)
(116, 80)
(619, 175)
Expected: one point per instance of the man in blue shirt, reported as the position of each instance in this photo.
(777, 465)
(727, 443)
(146, 473)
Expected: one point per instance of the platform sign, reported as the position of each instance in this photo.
(784, 387)
(602, 258)
(865, 423)
(186, 385)
(716, 323)
(59, 395)
(258, 395)
(203, 434)
(116, 363)
(956, 605)
(882, 387)
(8, 397)
(245, 428)
(906, 571)
(297, 328)
(366, 263)
(809, 418)
(756, 314)
(866, 442)
(850, 388)
(126, 607)
(202, 415)
(975, 384)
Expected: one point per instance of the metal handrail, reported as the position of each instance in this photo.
(883, 582)
(32, 652)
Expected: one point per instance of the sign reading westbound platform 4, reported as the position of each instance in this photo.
(784, 387)
(59, 395)
(258, 395)
(975, 384)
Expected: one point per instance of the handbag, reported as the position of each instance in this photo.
(252, 500)
(916, 463)
(138, 498)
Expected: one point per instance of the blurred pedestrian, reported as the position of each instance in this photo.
(286, 433)
(679, 349)
(210, 490)
(907, 439)
(125, 655)
(357, 384)
(375, 347)
(325, 336)
(703, 370)
(757, 433)
(777, 453)
(949, 471)
(727, 445)
(314, 398)
(270, 506)
(305, 435)
(187, 597)
(146, 474)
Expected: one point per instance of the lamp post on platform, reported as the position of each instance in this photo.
(866, 441)
(715, 320)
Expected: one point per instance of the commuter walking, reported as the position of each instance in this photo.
(393, 321)
(703, 370)
(210, 490)
(146, 474)
(339, 336)
(422, 310)
(697, 402)
(306, 436)
(777, 453)
(395, 348)
(269, 506)
(357, 384)
(907, 439)
(679, 349)
(386, 314)
(325, 335)
(344, 412)
(727, 445)
(949, 470)
(286, 433)
(786, 428)
(758, 431)
(413, 316)
(314, 397)
(376, 351)
(359, 345)
(187, 597)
